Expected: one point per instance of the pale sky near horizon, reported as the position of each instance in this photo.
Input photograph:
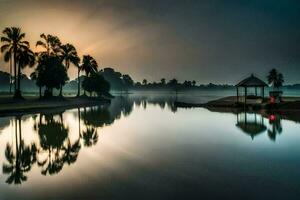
(204, 40)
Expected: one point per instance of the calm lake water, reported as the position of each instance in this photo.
(144, 148)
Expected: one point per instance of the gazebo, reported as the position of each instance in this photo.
(251, 124)
(251, 82)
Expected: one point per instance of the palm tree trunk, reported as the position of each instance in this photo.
(60, 91)
(10, 74)
(15, 72)
(78, 92)
(40, 91)
(19, 79)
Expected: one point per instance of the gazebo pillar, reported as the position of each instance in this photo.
(237, 94)
(245, 100)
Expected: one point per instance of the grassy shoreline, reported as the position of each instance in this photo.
(289, 109)
(9, 106)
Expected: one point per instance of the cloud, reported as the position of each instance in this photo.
(209, 41)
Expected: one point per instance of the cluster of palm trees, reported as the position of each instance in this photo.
(55, 57)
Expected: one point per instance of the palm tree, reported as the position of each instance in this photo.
(13, 40)
(25, 57)
(89, 65)
(275, 78)
(194, 83)
(144, 81)
(50, 43)
(69, 55)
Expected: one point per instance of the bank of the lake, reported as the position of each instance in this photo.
(10, 106)
(289, 108)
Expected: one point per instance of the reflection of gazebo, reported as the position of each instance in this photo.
(250, 82)
(251, 124)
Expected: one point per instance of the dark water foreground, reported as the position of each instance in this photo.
(139, 148)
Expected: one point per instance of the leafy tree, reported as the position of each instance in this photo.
(113, 77)
(48, 65)
(127, 82)
(163, 81)
(13, 40)
(96, 83)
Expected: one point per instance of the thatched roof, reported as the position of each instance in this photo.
(251, 81)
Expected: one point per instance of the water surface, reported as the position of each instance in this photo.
(145, 148)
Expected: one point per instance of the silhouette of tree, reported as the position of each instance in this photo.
(114, 78)
(78, 65)
(276, 127)
(275, 78)
(96, 83)
(89, 65)
(50, 43)
(48, 65)
(127, 82)
(97, 117)
(194, 83)
(25, 57)
(38, 81)
(174, 85)
(69, 55)
(163, 81)
(13, 40)
(144, 82)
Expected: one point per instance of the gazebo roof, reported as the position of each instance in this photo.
(251, 81)
(251, 128)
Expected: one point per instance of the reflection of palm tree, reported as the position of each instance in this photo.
(275, 122)
(20, 160)
(71, 151)
(53, 135)
(90, 136)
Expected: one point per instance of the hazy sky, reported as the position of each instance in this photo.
(208, 41)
